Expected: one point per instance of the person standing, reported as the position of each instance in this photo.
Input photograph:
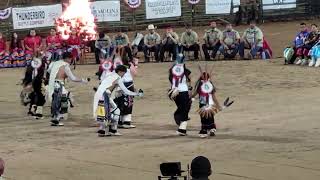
(180, 93)
(211, 41)
(58, 95)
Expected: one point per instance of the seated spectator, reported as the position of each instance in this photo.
(4, 56)
(53, 45)
(122, 44)
(1, 168)
(74, 46)
(169, 43)
(31, 44)
(152, 42)
(230, 42)
(190, 41)
(103, 46)
(211, 41)
(18, 58)
(299, 43)
(252, 39)
(137, 43)
(311, 40)
(200, 168)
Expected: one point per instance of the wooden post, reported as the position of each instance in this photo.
(134, 19)
(192, 15)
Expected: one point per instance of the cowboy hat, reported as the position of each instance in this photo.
(151, 27)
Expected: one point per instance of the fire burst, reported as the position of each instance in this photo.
(77, 16)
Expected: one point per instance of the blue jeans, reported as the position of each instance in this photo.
(253, 51)
(231, 52)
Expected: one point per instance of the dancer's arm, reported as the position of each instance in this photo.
(71, 76)
(126, 90)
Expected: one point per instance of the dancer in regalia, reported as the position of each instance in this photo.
(34, 86)
(208, 103)
(105, 110)
(124, 101)
(58, 95)
(180, 92)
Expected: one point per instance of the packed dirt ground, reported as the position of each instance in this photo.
(270, 132)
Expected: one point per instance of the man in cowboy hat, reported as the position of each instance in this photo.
(170, 41)
(190, 41)
(151, 43)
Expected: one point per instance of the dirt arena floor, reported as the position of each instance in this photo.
(271, 132)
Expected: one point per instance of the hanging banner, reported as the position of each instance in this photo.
(36, 16)
(279, 4)
(4, 14)
(162, 8)
(106, 11)
(133, 4)
(220, 6)
(194, 1)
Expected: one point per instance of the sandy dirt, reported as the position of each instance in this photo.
(271, 131)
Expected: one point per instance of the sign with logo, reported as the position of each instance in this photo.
(106, 11)
(220, 6)
(35, 16)
(279, 4)
(163, 8)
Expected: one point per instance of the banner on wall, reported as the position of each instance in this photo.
(105, 11)
(220, 6)
(35, 16)
(4, 14)
(163, 8)
(279, 4)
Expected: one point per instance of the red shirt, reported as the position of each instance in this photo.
(2, 44)
(54, 40)
(31, 42)
(72, 41)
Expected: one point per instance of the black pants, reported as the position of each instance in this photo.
(206, 123)
(183, 103)
(154, 49)
(195, 48)
(125, 102)
(97, 55)
(168, 47)
(214, 49)
(127, 51)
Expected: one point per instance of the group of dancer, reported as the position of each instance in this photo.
(182, 93)
(44, 81)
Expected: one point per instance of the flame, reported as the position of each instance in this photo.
(77, 16)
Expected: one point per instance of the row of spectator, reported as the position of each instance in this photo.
(227, 42)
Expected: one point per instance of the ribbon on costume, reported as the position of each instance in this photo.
(4, 14)
(133, 4)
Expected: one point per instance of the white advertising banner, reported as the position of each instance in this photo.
(220, 6)
(105, 11)
(163, 8)
(279, 4)
(35, 16)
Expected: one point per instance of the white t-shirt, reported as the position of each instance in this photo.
(183, 86)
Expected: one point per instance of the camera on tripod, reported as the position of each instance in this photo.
(172, 171)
